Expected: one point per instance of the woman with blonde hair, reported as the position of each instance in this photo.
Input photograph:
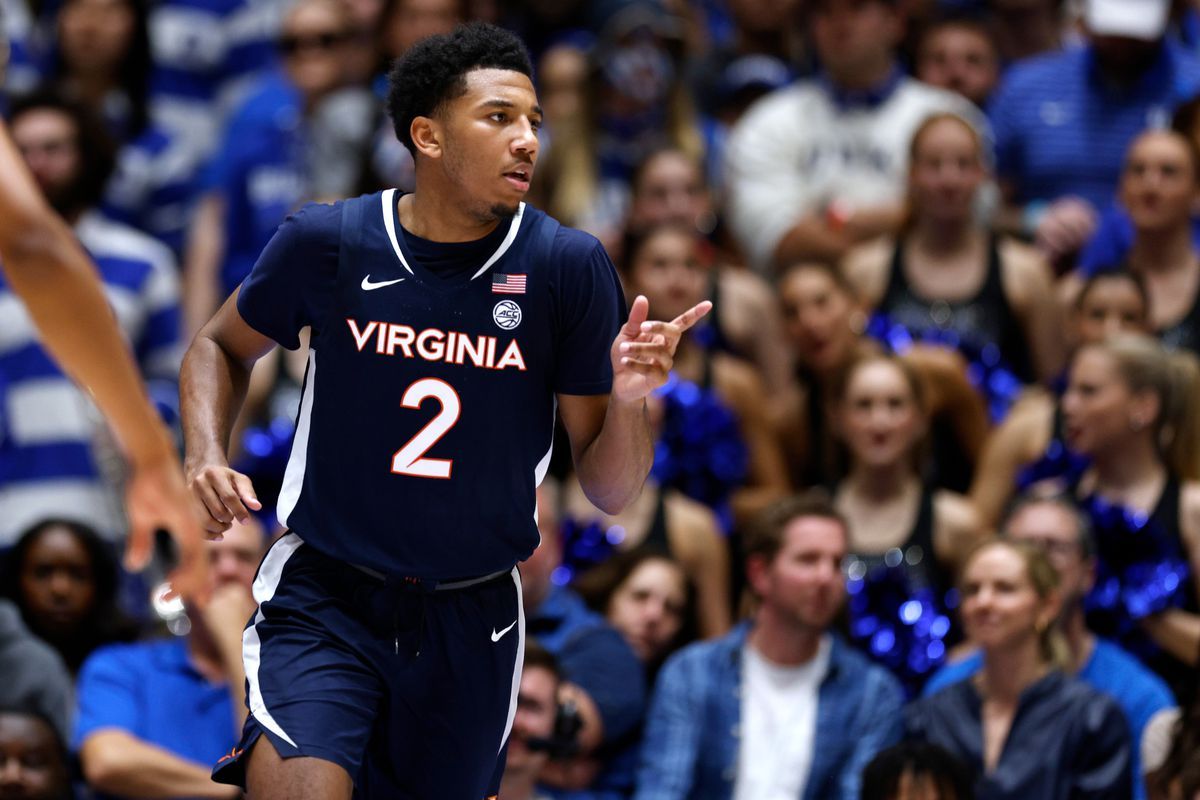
(1024, 728)
(948, 279)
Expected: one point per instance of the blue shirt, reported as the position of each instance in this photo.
(429, 401)
(151, 690)
(51, 449)
(1060, 131)
(690, 747)
(153, 185)
(259, 173)
(1112, 241)
(1110, 670)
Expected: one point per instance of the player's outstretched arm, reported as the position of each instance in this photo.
(59, 285)
(212, 388)
(610, 435)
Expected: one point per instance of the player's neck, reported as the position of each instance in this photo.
(441, 217)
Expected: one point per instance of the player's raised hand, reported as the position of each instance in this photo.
(224, 495)
(156, 497)
(644, 351)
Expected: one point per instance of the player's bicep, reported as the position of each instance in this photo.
(583, 417)
(230, 331)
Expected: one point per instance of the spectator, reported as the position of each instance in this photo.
(958, 53)
(57, 458)
(948, 279)
(1056, 526)
(103, 61)
(35, 679)
(668, 266)
(33, 760)
(644, 594)
(912, 770)
(812, 191)
(635, 100)
(767, 43)
(661, 521)
(1057, 157)
(266, 164)
(64, 579)
(604, 678)
(1158, 190)
(533, 724)
(1115, 231)
(1029, 444)
(1028, 28)
(1023, 728)
(669, 188)
(153, 715)
(1129, 408)
(823, 322)
(906, 536)
(781, 707)
(1178, 777)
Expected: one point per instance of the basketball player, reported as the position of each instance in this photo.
(48, 269)
(447, 326)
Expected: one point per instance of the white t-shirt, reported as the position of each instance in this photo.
(779, 721)
(795, 151)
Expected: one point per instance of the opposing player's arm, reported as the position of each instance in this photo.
(610, 434)
(212, 388)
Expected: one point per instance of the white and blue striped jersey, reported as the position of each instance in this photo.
(55, 453)
(429, 399)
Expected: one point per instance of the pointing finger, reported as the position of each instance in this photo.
(693, 315)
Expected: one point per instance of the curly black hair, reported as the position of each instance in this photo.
(434, 70)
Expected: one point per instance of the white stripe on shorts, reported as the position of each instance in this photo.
(516, 681)
(265, 585)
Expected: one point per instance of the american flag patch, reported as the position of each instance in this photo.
(508, 284)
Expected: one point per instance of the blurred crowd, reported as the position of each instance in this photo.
(924, 516)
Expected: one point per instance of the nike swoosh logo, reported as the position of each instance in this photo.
(368, 286)
(497, 636)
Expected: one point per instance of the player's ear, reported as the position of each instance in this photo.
(427, 136)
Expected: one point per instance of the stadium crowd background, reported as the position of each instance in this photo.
(954, 251)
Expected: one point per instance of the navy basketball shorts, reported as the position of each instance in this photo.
(410, 686)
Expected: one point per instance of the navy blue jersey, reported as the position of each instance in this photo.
(428, 405)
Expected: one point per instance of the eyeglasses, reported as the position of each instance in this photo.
(290, 45)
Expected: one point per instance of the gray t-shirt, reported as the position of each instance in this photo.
(32, 676)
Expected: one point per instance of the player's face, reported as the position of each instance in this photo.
(234, 559)
(961, 60)
(49, 143)
(31, 763)
(537, 704)
(95, 34)
(490, 143)
(804, 581)
(672, 191)
(946, 171)
(1112, 305)
(1000, 607)
(879, 417)
(648, 607)
(1158, 185)
(57, 582)
(667, 268)
(817, 314)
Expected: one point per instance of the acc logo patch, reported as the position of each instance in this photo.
(507, 314)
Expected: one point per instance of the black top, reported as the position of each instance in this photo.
(1185, 334)
(985, 319)
(1067, 741)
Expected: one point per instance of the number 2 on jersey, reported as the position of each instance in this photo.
(410, 459)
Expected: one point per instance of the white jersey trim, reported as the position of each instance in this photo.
(388, 201)
(293, 476)
(264, 589)
(520, 661)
